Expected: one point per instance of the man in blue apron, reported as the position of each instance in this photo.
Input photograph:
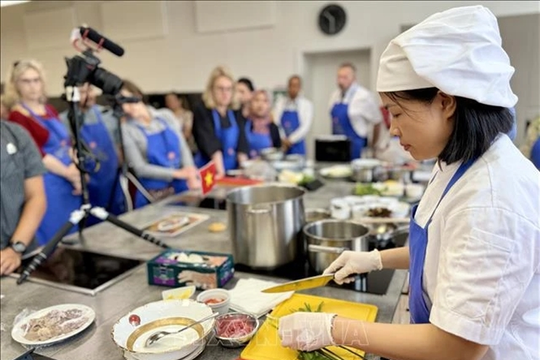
(294, 113)
(60, 198)
(98, 133)
(354, 110)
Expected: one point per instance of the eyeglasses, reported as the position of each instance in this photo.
(223, 89)
(30, 81)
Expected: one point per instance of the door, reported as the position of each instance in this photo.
(320, 71)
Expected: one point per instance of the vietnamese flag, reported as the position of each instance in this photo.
(208, 177)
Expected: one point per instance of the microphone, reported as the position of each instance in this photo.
(102, 41)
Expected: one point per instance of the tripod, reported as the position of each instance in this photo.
(78, 217)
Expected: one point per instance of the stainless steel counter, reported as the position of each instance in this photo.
(133, 291)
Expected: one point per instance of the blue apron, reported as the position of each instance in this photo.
(290, 122)
(418, 239)
(103, 188)
(341, 125)
(535, 153)
(163, 149)
(58, 191)
(229, 142)
(257, 142)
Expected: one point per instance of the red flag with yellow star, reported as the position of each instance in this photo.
(208, 177)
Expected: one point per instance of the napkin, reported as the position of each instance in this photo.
(247, 297)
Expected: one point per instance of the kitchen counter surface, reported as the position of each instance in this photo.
(133, 291)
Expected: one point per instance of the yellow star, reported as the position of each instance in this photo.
(209, 179)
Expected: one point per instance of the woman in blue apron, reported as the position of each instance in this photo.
(61, 201)
(217, 129)
(473, 250)
(261, 132)
(103, 188)
(156, 150)
(25, 93)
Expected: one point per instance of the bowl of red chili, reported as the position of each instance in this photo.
(235, 329)
(217, 299)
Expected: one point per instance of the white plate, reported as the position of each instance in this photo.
(198, 351)
(336, 171)
(18, 333)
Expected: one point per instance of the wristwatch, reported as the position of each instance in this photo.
(19, 247)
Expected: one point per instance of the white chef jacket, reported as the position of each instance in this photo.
(481, 271)
(364, 110)
(304, 107)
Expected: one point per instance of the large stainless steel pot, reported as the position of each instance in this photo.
(265, 224)
(326, 239)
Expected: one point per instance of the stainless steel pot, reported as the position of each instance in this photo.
(326, 239)
(265, 224)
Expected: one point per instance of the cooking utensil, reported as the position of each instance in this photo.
(161, 334)
(265, 222)
(302, 284)
(272, 154)
(363, 169)
(326, 239)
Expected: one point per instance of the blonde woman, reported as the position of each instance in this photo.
(25, 95)
(218, 128)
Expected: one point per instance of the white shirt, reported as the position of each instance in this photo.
(483, 254)
(304, 107)
(364, 110)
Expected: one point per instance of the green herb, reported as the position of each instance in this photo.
(366, 189)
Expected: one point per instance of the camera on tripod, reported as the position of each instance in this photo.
(85, 68)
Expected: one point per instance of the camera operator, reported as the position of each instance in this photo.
(98, 131)
(25, 93)
(156, 149)
(22, 195)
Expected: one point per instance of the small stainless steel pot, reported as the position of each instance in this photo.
(326, 239)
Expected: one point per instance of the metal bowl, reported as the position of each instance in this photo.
(240, 341)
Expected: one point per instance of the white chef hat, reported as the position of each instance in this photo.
(457, 51)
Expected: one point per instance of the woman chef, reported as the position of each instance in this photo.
(474, 244)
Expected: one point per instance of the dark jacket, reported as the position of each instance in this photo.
(204, 131)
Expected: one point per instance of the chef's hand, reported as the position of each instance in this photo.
(73, 175)
(306, 331)
(352, 263)
(9, 261)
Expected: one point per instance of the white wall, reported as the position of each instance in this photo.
(183, 58)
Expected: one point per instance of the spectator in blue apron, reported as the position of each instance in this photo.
(244, 93)
(354, 110)
(99, 131)
(218, 128)
(156, 150)
(294, 114)
(25, 95)
(474, 240)
(261, 132)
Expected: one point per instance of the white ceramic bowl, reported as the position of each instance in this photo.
(365, 163)
(222, 294)
(340, 209)
(166, 315)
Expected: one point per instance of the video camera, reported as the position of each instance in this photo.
(85, 67)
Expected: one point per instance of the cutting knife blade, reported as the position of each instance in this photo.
(302, 284)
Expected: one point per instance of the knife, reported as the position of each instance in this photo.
(302, 284)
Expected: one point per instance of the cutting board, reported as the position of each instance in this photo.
(266, 344)
(233, 181)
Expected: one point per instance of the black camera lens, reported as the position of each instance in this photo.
(109, 83)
